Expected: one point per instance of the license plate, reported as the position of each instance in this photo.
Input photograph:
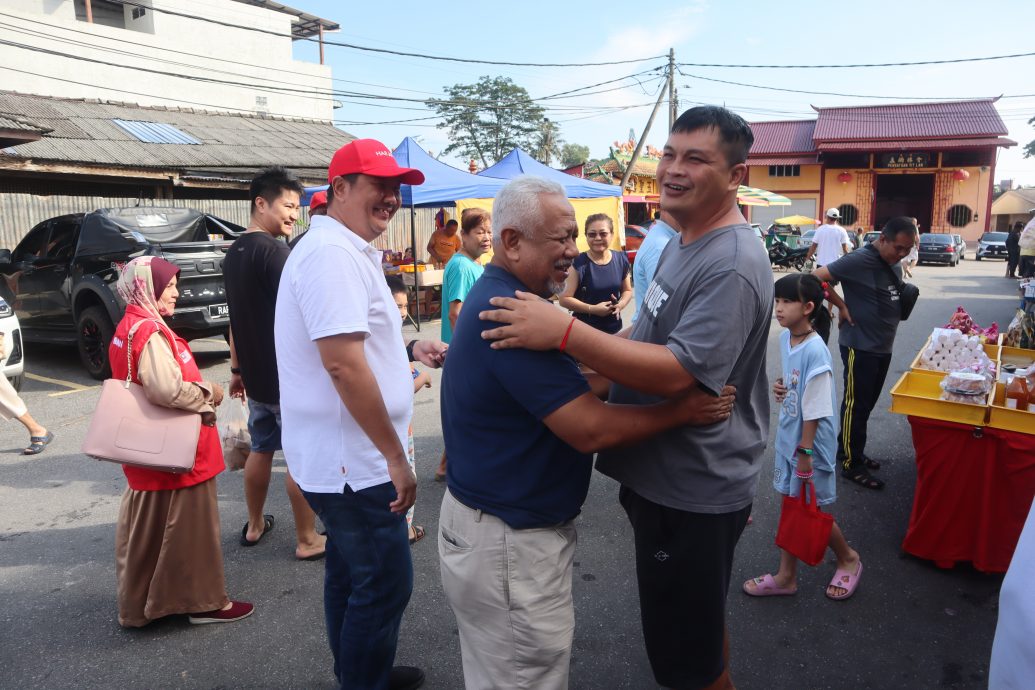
(219, 311)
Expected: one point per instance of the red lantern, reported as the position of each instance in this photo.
(844, 178)
(960, 175)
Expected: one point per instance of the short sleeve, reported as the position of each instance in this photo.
(846, 268)
(332, 294)
(623, 262)
(276, 257)
(457, 282)
(708, 347)
(541, 382)
(816, 399)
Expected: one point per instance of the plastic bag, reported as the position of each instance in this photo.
(966, 386)
(233, 433)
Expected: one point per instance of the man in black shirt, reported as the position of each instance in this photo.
(252, 271)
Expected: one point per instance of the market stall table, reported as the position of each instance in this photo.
(974, 487)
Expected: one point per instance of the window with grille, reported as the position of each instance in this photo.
(959, 215)
(849, 214)
(784, 171)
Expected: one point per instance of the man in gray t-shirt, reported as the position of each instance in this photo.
(703, 323)
(711, 304)
(868, 319)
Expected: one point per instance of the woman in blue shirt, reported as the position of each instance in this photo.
(600, 286)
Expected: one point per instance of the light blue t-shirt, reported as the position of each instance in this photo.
(647, 260)
(801, 364)
(460, 276)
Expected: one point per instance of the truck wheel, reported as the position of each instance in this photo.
(94, 331)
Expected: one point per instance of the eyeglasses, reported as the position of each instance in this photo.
(594, 235)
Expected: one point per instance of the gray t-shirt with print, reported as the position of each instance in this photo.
(872, 296)
(711, 304)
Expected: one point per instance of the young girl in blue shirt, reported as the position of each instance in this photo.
(806, 436)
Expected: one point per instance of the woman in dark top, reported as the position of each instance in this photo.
(600, 286)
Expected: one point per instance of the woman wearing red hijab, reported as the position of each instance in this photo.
(168, 558)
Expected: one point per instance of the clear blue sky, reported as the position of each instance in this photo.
(699, 31)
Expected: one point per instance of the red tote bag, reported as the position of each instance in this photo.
(804, 529)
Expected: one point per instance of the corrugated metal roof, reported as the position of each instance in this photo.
(155, 132)
(977, 118)
(915, 144)
(787, 136)
(789, 160)
(20, 125)
(84, 132)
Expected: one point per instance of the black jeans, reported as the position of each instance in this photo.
(864, 374)
(1012, 259)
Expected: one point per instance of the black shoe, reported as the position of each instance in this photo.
(405, 678)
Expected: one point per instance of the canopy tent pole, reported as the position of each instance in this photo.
(416, 273)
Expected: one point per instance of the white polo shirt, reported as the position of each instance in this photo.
(332, 283)
(829, 241)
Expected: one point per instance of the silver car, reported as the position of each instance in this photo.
(992, 245)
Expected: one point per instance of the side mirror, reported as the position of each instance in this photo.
(5, 256)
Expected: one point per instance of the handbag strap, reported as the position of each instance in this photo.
(129, 346)
(887, 267)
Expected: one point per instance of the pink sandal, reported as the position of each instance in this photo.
(846, 581)
(765, 586)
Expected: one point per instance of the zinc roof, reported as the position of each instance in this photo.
(951, 119)
(84, 131)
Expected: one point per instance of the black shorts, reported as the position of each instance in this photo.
(683, 566)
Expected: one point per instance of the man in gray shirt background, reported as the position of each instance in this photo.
(704, 322)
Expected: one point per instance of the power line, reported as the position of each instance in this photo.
(871, 64)
(386, 51)
(846, 95)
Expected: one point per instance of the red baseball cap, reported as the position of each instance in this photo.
(319, 199)
(370, 157)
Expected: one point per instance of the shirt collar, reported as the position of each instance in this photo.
(499, 273)
(333, 225)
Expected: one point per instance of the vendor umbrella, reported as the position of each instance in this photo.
(752, 196)
(795, 220)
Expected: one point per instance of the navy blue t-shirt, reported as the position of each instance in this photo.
(502, 459)
(597, 284)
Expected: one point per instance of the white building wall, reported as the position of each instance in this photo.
(206, 49)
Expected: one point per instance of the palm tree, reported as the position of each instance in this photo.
(547, 142)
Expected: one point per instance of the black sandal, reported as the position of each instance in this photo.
(871, 464)
(862, 477)
(37, 444)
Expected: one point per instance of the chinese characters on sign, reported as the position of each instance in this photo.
(905, 160)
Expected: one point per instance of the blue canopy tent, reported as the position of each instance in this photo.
(517, 162)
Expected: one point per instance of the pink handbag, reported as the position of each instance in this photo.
(128, 429)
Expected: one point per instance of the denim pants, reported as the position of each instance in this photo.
(367, 582)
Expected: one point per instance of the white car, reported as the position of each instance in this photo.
(13, 359)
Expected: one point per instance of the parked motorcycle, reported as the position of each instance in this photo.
(783, 256)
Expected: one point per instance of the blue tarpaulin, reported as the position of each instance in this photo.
(443, 184)
(517, 162)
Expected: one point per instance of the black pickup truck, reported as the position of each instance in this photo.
(60, 279)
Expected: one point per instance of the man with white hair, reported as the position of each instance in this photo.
(520, 428)
(830, 242)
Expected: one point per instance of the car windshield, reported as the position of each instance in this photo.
(936, 239)
(808, 235)
(994, 237)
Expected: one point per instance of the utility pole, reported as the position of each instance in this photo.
(650, 121)
(671, 87)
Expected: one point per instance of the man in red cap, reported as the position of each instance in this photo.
(346, 401)
(318, 204)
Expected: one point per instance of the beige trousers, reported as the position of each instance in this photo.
(11, 406)
(510, 590)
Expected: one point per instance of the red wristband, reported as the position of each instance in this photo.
(564, 340)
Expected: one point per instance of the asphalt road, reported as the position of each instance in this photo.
(910, 625)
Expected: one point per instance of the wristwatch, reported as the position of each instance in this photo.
(235, 370)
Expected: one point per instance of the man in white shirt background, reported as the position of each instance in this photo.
(830, 242)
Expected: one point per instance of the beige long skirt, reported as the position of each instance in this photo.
(168, 558)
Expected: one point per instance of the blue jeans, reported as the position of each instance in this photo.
(367, 582)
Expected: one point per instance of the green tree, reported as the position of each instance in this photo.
(547, 142)
(1029, 150)
(573, 154)
(487, 119)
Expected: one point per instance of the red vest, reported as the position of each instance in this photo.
(208, 461)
